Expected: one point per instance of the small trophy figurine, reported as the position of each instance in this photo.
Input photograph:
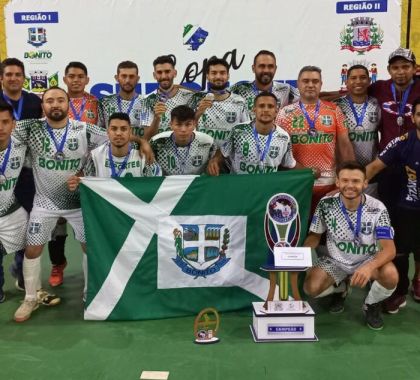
(206, 325)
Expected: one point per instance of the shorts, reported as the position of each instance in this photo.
(407, 230)
(13, 230)
(42, 223)
(338, 273)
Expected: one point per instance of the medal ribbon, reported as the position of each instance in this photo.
(310, 121)
(354, 229)
(404, 98)
(114, 173)
(6, 158)
(130, 107)
(58, 146)
(261, 155)
(17, 113)
(359, 119)
(78, 115)
(178, 156)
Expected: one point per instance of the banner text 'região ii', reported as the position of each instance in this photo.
(166, 247)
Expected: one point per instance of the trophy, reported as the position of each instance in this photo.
(206, 325)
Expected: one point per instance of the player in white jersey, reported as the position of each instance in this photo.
(13, 217)
(184, 150)
(127, 100)
(359, 242)
(219, 110)
(58, 148)
(257, 147)
(161, 102)
(265, 68)
(116, 158)
(362, 115)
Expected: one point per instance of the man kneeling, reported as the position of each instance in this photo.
(359, 242)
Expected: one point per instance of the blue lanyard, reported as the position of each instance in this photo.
(130, 107)
(256, 91)
(261, 155)
(114, 173)
(354, 229)
(58, 146)
(178, 156)
(17, 114)
(404, 98)
(359, 119)
(310, 121)
(6, 158)
(78, 115)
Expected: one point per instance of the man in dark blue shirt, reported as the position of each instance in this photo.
(404, 151)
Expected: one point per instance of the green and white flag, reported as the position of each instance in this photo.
(165, 247)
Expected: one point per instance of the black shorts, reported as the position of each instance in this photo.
(407, 230)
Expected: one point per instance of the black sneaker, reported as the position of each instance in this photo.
(337, 303)
(373, 316)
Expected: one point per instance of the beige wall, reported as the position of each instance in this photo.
(414, 35)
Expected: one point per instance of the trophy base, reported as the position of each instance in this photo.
(290, 327)
(207, 341)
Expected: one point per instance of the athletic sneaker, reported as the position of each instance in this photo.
(23, 313)
(393, 304)
(373, 316)
(337, 299)
(2, 296)
(47, 299)
(57, 274)
(416, 289)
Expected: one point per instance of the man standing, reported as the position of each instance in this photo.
(360, 245)
(83, 107)
(257, 147)
(317, 130)
(219, 110)
(58, 147)
(362, 114)
(161, 102)
(25, 106)
(183, 150)
(127, 100)
(404, 154)
(265, 68)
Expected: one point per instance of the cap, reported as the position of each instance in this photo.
(406, 54)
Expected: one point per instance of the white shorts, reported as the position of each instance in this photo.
(13, 230)
(42, 223)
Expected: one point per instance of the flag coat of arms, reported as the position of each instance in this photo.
(171, 246)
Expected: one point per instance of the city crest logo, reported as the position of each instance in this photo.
(37, 36)
(194, 36)
(361, 35)
(201, 249)
(15, 163)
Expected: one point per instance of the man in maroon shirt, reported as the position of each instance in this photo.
(395, 96)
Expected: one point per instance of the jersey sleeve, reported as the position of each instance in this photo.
(390, 154)
(318, 224)
(227, 147)
(244, 116)
(152, 170)
(288, 160)
(383, 229)
(89, 170)
(148, 108)
(95, 136)
(22, 131)
(294, 95)
(101, 114)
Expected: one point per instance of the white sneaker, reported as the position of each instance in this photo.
(23, 313)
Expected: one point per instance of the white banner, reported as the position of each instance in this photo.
(48, 34)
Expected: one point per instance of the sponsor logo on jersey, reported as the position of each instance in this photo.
(361, 35)
(274, 151)
(197, 161)
(350, 247)
(231, 117)
(373, 117)
(194, 36)
(366, 228)
(326, 120)
(15, 163)
(37, 36)
(34, 228)
(72, 143)
(201, 248)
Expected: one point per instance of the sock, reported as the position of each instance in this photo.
(32, 276)
(333, 289)
(85, 274)
(377, 293)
